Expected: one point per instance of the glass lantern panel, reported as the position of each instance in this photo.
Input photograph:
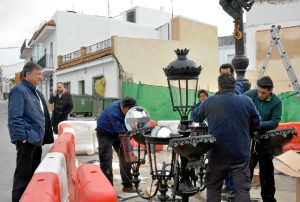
(160, 160)
(184, 93)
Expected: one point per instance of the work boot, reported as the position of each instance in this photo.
(225, 190)
(230, 196)
(129, 189)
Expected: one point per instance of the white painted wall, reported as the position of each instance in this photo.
(9, 72)
(75, 30)
(262, 17)
(106, 66)
(226, 54)
(149, 17)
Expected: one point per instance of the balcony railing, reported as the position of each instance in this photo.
(25, 49)
(35, 58)
(85, 54)
(23, 46)
(98, 46)
(46, 61)
(71, 56)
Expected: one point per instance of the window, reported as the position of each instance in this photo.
(51, 55)
(51, 84)
(81, 87)
(67, 86)
(131, 16)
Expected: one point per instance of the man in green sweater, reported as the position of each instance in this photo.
(270, 110)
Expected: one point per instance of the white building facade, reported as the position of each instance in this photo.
(71, 36)
(66, 31)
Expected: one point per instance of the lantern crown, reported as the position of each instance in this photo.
(182, 67)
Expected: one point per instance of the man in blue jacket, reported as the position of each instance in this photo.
(109, 124)
(29, 125)
(231, 117)
(228, 68)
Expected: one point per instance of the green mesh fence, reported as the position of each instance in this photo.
(290, 107)
(156, 99)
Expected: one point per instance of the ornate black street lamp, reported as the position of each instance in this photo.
(182, 75)
(235, 8)
(162, 163)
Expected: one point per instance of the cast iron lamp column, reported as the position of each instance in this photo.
(235, 9)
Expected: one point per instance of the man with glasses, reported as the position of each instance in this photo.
(29, 126)
(270, 110)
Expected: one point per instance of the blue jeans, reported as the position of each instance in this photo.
(215, 175)
(229, 182)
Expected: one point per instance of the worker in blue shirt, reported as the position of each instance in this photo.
(109, 125)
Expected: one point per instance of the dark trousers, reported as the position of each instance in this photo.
(56, 119)
(266, 173)
(215, 175)
(105, 144)
(28, 158)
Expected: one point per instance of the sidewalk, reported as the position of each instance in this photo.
(285, 185)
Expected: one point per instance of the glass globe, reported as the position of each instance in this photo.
(137, 117)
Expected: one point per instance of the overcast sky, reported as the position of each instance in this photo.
(20, 18)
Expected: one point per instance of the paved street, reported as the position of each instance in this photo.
(285, 185)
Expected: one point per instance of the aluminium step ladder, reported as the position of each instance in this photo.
(284, 57)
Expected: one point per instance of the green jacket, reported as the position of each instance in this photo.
(270, 110)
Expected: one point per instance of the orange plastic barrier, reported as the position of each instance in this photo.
(92, 185)
(42, 187)
(61, 126)
(65, 144)
(295, 142)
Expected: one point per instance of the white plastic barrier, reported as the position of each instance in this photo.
(172, 124)
(85, 137)
(95, 142)
(54, 162)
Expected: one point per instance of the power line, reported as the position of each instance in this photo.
(8, 47)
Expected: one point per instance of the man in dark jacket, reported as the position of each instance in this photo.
(29, 126)
(63, 105)
(228, 68)
(270, 110)
(231, 117)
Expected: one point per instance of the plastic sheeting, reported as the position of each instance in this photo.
(156, 99)
(100, 86)
(290, 107)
